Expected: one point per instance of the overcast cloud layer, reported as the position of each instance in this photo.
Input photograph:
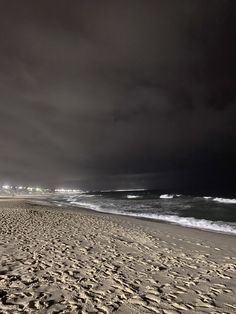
(104, 94)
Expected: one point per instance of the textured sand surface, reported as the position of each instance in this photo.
(66, 261)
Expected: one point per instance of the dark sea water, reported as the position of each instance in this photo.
(203, 212)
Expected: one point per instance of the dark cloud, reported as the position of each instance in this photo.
(113, 93)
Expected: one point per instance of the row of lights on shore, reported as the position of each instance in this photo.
(24, 188)
(38, 189)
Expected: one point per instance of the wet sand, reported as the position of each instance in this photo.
(55, 260)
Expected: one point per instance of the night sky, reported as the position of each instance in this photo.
(118, 94)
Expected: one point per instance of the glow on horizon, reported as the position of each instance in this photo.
(62, 190)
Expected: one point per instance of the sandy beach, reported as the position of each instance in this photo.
(56, 260)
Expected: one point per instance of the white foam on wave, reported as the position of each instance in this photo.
(225, 200)
(167, 196)
(71, 198)
(191, 222)
(207, 197)
(86, 205)
(216, 226)
(133, 196)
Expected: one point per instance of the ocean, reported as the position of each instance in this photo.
(215, 214)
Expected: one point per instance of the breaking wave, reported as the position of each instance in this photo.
(216, 226)
(192, 222)
(167, 196)
(133, 196)
(86, 205)
(225, 200)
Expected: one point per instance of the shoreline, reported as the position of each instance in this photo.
(81, 261)
(37, 200)
(158, 221)
(152, 224)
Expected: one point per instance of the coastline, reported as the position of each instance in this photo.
(82, 261)
(38, 201)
